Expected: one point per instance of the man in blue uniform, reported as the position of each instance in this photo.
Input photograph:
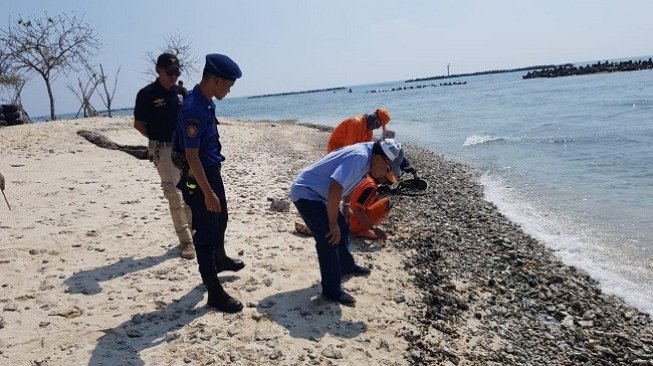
(155, 117)
(317, 193)
(202, 185)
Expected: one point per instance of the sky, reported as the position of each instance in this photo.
(293, 45)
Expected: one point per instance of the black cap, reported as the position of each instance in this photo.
(168, 61)
(222, 66)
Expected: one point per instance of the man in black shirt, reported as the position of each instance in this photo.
(155, 117)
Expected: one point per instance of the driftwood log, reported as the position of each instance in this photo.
(138, 151)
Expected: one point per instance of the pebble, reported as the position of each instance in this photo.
(517, 290)
(332, 352)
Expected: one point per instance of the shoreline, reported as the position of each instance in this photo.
(495, 295)
(91, 274)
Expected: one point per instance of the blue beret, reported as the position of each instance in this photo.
(222, 66)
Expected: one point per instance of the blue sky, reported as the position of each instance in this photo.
(296, 45)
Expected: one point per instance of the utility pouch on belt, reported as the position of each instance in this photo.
(191, 185)
(178, 153)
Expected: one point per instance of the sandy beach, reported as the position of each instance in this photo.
(91, 274)
(90, 271)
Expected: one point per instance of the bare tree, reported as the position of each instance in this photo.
(86, 90)
(107, 97)
(178, 45)
(49, 46)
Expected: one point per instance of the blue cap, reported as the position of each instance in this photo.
(222, 66)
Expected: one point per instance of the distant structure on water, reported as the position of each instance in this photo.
(422, 86)
(569, 69)
(477, 73)
(297, 92)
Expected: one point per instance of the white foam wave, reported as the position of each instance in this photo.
(481, 139)
(573, 247)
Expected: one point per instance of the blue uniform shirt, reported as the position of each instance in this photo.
(347, 166)
(198, 128)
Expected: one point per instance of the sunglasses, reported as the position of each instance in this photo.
(173, 72)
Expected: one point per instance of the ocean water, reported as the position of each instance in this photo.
(569, 159)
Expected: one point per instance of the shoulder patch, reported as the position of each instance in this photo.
(191, 131)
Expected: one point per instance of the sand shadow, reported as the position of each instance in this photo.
(356, 244)
(306, 315)
(121, 345)
(365, 245)
(88, 282)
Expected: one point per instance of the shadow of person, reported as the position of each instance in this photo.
(121, 345)
(307, 315)
(88, 282)
(365, 245)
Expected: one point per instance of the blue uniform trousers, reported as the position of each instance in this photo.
(209, 226)
(335, 260)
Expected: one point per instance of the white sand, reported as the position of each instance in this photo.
(90, 271)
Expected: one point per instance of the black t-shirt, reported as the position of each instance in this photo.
(158, 108)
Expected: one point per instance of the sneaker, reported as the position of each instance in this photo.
(187, 250)
(359, 271)
(341, 298)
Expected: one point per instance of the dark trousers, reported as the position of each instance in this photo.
(209, 226)
(335, 260)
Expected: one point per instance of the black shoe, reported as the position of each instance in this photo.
(228, 264)
(225, 303)
(342, 298)
(218, 297)
(359, 271)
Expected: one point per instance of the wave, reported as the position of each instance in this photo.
(482, 139)
(575, 243)
(488, 139)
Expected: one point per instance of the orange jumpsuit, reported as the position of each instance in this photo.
(366, 197)
(350, 131)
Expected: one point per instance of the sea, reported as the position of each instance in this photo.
(570, 159)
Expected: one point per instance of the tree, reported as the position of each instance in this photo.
(179, 46)
(49, 46)
(107, 97)
(86, 90)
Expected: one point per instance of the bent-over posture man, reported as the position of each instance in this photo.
(358, 129)
(317, 193)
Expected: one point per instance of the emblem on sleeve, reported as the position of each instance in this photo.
(191, 131)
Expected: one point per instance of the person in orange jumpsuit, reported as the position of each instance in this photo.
(357, 129)
(367, 210)
(368, 207)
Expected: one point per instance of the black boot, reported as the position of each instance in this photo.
(218, 298)
(224, 263)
